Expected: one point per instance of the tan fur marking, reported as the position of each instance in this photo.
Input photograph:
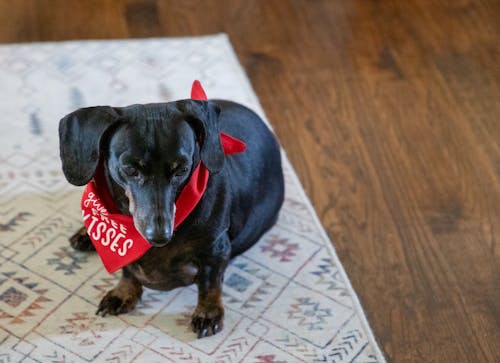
(131, 201)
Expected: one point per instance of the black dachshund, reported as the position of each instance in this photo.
(148, 153)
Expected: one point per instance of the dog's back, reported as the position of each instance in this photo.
(255, 176)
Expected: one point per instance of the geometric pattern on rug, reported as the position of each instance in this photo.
(287, 299)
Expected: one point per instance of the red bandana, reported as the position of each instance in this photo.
(114, 235)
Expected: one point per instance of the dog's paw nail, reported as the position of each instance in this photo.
(101, 311)
(207, 322)
(203, 333)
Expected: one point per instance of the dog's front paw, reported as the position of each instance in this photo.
(115, 302)
(207, 320)
(80, 241)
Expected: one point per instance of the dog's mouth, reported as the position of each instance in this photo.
(157, 239)
(157, 234)
(158, 244)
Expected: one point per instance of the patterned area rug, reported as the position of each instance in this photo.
(287, 299)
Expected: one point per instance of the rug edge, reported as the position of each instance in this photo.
(220, 35)
(357, 303)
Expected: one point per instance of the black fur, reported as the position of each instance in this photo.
(148, 153)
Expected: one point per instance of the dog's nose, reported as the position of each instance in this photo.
(156, 237)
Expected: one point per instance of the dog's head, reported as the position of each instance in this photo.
(149, 151)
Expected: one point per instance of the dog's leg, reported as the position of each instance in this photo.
(122, 298)
(81, 241)
(208, 316)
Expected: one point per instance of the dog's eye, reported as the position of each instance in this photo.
(181, 171)
(130, 171)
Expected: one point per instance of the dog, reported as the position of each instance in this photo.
(147, 154)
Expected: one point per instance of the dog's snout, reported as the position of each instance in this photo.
(158, 237)
(155, 213)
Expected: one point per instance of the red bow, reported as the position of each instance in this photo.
(114, 235)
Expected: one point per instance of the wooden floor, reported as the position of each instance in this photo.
(390, 113)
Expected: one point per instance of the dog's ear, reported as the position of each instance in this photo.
(80, 135)
(203, 115)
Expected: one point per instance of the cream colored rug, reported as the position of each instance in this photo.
(287, 299)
